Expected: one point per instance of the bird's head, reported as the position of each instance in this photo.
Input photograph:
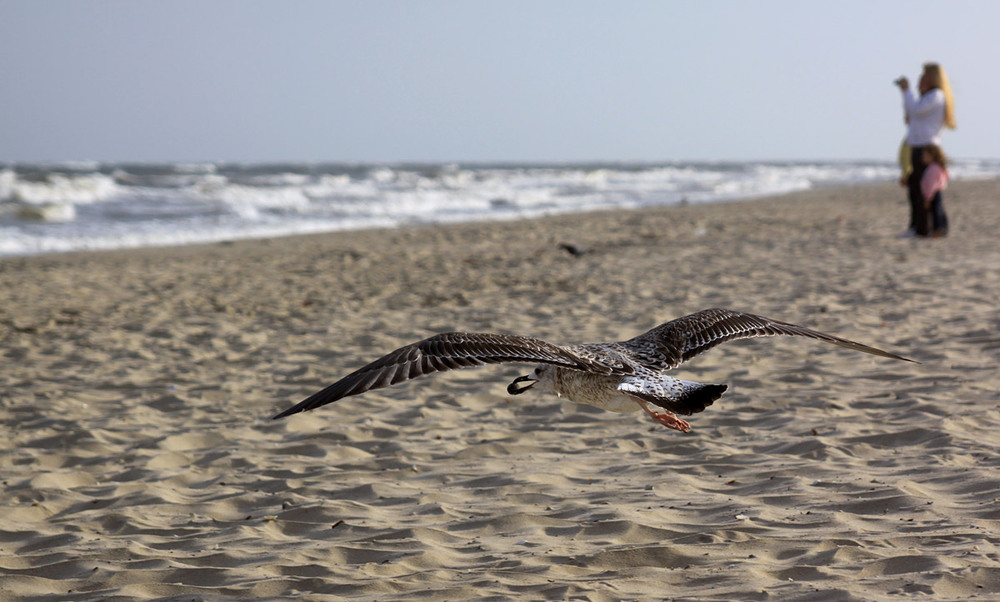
(540, 379)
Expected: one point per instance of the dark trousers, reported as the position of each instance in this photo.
(919, 216)
(939, 219)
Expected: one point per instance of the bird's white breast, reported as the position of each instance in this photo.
(596, 390)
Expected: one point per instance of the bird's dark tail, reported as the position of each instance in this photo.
(681, 397)
(695, 397)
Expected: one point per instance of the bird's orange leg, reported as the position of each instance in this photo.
(667, 419)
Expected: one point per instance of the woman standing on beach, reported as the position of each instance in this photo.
(925, 117)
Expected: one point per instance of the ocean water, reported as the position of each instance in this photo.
(74, 206)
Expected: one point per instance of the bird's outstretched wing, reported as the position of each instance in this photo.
(677, 341)
(449, 351)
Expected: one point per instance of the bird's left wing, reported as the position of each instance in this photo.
(677, 341)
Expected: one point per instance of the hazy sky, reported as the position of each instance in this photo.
(469, 80)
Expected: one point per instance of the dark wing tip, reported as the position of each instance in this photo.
(313, 401)
(288, 412)
(295, 409)
(400, 365)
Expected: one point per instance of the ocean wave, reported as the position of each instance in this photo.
(56, 188)
(67, 207)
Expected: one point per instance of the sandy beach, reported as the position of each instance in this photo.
(139, 460)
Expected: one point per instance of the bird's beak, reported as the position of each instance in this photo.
(516, 387)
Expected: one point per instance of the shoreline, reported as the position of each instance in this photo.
(141, 459)
(886, 190)
(266, 201)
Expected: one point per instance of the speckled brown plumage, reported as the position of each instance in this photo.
(615, 376)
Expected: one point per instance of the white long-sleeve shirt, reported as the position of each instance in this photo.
(926, 117)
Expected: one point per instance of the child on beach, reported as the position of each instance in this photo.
(934, 180)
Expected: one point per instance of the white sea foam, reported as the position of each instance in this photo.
(60, 188)
(65, 207)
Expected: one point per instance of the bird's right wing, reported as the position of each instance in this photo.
(448, 351)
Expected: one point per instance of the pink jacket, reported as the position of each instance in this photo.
(935, 179)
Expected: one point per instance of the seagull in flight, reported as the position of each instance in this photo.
(619, 377)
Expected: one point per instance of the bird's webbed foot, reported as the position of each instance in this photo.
(667, 419)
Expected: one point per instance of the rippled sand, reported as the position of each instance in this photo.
(139, 460)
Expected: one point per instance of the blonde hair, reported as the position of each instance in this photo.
(938, 79)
